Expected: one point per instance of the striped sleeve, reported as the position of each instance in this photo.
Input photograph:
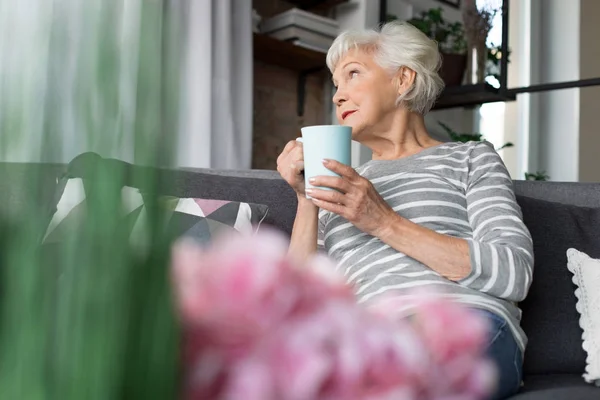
(321, 232)
(501, 249)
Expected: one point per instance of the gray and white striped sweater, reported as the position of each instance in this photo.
(458, 189)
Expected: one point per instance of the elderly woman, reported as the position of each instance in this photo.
(421, 213)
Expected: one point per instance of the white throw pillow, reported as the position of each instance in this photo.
(586, 275)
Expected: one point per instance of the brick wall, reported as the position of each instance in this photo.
(275, 120)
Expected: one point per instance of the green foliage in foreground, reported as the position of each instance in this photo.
(90, 317)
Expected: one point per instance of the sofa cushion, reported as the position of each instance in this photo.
(550, 318)
(586, 275)
(274, 193)
(198, 219)
(556, 387)
(258, 187)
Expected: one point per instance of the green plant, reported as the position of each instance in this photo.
(467, 137)
(477, 137)
(494, 57)
(89, 317)
(450, 36)
(536, 176)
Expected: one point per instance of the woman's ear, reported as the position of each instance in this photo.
(405, 79)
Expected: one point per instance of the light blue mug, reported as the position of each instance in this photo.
(321, 142)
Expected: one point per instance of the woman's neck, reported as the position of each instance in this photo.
(405, 136)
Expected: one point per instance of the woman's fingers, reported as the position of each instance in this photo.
(297, 167)
(292, 157)
(296, 157)
(343, 170)
(290, 165)
(333, 182)
(298, 152)
(330, 196)
(289, 147)
(287, 150)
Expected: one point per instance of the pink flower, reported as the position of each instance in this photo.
(235, 291)
(259, 326)
(340, 352)
(454, 335)
(450, 330)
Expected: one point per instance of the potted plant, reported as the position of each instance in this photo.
(450, 37)
(467, 137)
(477, 137)
(492, 67)
(537, 176)
(452, 41)
(478, 22)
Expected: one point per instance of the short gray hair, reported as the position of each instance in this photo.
(394, 45)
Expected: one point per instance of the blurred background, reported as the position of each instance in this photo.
(226, 83)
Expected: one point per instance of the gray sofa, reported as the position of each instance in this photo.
(559, 216)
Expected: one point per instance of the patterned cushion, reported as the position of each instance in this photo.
(200, 219)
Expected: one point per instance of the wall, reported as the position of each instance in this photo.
(275, 119)
(559, 110)
(563, 124)
(516, 113)
(589, 67)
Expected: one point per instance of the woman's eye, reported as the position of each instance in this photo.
(353, 73)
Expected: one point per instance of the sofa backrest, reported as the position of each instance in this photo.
(256, 186)
(574, 193)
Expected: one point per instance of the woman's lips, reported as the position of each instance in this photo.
(346, 113)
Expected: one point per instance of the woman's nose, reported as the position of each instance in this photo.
(339, 97)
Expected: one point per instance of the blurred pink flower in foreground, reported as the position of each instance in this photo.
(260, 326)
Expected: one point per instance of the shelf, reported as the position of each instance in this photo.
(285, 54)
(316, 4)
(470, 95)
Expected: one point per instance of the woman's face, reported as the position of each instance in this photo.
(366, 95)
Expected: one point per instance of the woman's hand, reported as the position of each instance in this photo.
(354, 199)
(290, 165)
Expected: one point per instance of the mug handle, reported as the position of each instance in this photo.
(301, 141)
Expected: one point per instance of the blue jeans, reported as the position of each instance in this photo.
(504, 351)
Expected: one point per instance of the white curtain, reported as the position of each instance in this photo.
(79, 76)
(167, 81)
(216, 105)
